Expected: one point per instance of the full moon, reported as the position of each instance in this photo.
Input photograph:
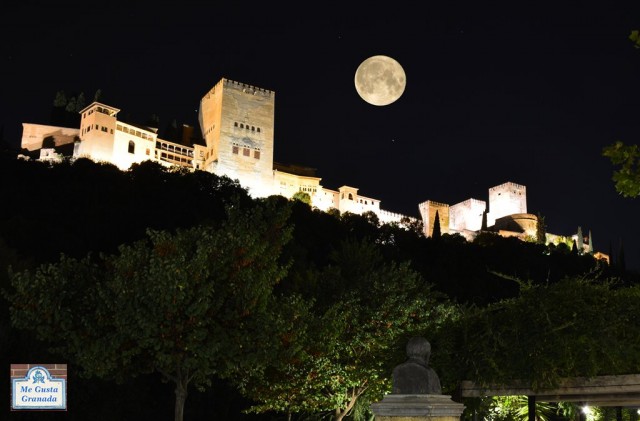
(380, 80)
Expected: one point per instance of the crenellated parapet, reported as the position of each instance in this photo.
(246, 88)
(508, 185)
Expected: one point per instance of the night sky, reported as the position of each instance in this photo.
(522, 93)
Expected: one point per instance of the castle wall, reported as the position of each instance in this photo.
(287, 184)
(326, 199)
(34, 135)
(132, 145)
(523, 224)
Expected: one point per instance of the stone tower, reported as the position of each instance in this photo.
(506, 199)
(467, 215)
(237, 122)
(97, 132)
(428, 212)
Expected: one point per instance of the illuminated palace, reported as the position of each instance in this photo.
(237, 124)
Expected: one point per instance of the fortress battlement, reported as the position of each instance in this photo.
(434, 203)
(247, 88)
(470, 201)
(508, 184)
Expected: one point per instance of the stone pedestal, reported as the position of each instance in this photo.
(395, 407)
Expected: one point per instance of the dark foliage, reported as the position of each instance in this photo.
(80, 207)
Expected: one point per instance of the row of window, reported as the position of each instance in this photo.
(134, 132)
(97, 109)
(90, 127)
(174, 148)
(210, 129)
(245, 152)
(175, 159)
(246, 126)
(163, 156)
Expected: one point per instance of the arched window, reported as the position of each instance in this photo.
(350, 196)
(132, 147)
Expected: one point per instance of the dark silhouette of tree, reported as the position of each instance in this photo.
(81, 102)
(437, 233)
(58, 112)
(634, 36)
(483, 227)
(621, 263)
(541, 230)
(172, 133)
(187, 305)
(97, 96)
(574, 247)
(303, 197)
(626, 160)
(580, 240)
(48, 142)
(611, 257)
(153, 121)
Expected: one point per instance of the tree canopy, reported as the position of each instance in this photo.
(189, 305)
(626, 160)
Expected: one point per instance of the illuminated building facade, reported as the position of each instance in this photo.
(237, 124)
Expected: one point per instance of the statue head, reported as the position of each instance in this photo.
(418, 347)
(414, 376)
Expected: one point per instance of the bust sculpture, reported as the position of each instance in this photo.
(414, 376)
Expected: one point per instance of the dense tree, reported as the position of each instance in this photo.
(303, 197)
(437, 233)
(189, 305)
(626, 160)
(542, 335)
(635, 37)
(348, 329)
(541, 230)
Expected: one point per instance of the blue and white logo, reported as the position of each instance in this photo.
(39, 391)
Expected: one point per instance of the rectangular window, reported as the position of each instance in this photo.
(245, 151)
(256, 154)
(235, 150)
